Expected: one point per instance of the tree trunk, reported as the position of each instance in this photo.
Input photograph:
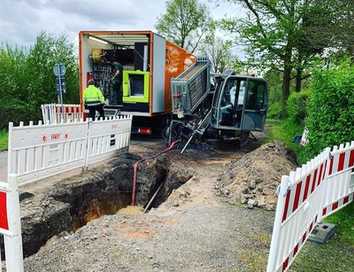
(287, 74)
(182, 42)
(298, 79)
(286, 83)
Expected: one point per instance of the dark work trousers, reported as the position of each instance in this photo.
(93, 108)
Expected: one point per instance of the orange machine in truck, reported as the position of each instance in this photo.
(134, 71)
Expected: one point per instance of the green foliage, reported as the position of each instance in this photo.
(275, 110)
(274, 78)
(297, 104)
(184, 22)
(3, 140)
(284, 131)
(289, 35)
(27, 80)
(331, 108)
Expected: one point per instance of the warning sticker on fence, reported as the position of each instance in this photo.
(3, 212)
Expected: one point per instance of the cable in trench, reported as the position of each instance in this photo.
(136, 167)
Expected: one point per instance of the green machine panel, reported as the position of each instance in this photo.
(136, 86)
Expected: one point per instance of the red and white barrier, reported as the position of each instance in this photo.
(41, 150)
(320, 187)
(106, 137)
(10, 225)
(44, 150)
(57, 113)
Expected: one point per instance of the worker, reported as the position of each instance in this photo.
(117, 82)
(94, 100)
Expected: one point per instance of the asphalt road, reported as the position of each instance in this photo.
(3, 166)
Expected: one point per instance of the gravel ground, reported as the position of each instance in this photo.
(200, 239)
(194, 230)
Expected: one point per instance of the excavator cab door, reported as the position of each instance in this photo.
(240, 103)
(228, 103)
(256, 103)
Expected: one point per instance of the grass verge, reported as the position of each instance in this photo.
(3, 140)
(285, 131)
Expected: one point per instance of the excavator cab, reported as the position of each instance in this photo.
(240, 104)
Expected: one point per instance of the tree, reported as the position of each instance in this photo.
(290, 34)
(27, 80)
(331, 24)
(217, 50)
(277, 33)
(325, 24)
(184, 22)
(271, 30)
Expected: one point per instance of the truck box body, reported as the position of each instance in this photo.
(146, 63)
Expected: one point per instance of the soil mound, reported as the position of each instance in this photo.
(254, 178)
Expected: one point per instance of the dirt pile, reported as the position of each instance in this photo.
(254, 178)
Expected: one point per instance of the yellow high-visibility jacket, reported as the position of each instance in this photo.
(93, 95)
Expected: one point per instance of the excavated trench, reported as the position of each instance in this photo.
(74, 202)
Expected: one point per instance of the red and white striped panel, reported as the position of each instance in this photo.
(303, 189)
(68, 108)
(340, 180)
(335, 206)
(4, 222)
(322, 186)
(54, 113)
(300, 243)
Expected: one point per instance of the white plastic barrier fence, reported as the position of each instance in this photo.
(317, 189)
(10, 225)
(39, 151)
(56, 113)
(106, 137)
(42, 150)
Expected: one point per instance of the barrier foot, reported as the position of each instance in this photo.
(322, 233)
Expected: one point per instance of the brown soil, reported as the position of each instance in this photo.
(254, 178)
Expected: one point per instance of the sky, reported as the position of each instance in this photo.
(22, 20)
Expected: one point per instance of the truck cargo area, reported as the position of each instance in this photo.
(120, 64)
(132, 68)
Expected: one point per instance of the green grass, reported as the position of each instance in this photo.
(334, 256)
(3, 140)
(344, 220)
(284, 131)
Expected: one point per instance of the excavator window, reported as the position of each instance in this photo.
(256, 95)
(232, 101)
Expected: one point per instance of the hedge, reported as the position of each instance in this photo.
(331, 108)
